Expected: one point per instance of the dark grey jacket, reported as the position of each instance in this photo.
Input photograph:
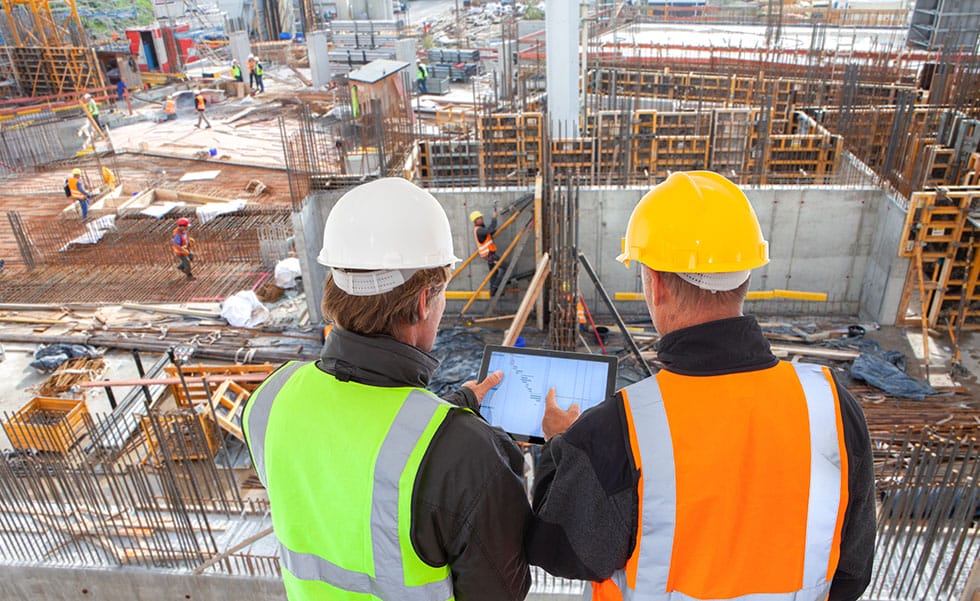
(585, 498)
(469, 506)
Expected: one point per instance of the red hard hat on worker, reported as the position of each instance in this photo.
(183, 222)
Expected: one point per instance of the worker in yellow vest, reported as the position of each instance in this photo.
(92, 107)
(236, 70)
(259, 72)
(729, 474)
(201, 105)
(486, 247)
(378, 488)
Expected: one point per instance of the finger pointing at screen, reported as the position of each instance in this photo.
(480, 389)
(556, 420)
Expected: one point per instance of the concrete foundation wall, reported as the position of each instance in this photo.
(122, 584)
(841, 241)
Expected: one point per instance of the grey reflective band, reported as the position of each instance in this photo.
(659, 484)
(825, 472)
(261, 406)
(406, 430)
(660, 502)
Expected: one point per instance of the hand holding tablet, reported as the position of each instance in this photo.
(517, 404)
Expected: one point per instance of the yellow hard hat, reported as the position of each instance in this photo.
(76, 171)
(475, 215)
(695, 221)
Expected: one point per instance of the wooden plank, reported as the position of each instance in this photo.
(538, 244)
(533, 291)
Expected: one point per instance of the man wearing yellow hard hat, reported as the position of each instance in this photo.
(727, 475)
(483, 234)
(76, 191)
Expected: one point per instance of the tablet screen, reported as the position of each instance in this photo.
(517, 404)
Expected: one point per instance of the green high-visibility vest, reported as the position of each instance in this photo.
(339, 461)
(258, 69)
(93, 107)
(236, 71)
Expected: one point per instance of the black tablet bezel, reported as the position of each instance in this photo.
(612, 364)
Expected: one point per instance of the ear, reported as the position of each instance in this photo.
(655, 288)
(423, 307)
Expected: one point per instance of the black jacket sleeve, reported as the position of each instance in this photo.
(858, 535)
(470, 509)
(463, 397)
(585, 498)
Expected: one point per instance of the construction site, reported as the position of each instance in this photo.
(854, 131)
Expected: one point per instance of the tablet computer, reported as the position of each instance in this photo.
(517, 404)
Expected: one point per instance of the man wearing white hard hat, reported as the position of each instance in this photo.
(377, 487)
(92, 107)
(727, 475)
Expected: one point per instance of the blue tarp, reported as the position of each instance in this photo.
(884, 369)
(459, 351)
(49, 358)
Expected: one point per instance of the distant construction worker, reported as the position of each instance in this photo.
(250, 65)
(379, 489)
(236, 70)
(121, 90)
(182, 245)
(170, 108)
(483, 234)
(259, 72)
(93, 109)
(729, 474)
(201, 105)
(78, 192)
(422, 76)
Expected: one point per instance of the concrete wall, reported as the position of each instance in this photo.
(841, 241)
(126, 584)
(886, 271)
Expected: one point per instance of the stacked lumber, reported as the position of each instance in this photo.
(72, 373)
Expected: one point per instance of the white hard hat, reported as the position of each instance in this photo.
(387, 229)
(88, 95)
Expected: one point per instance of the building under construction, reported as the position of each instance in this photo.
(854, 132)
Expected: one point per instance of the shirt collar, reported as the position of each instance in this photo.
(375, 360)
(717, 347)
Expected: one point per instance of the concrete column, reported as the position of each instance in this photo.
(381, 10)
(240, 49)
(561, 37)
(316, 48)
(505, 68)
(405, 51)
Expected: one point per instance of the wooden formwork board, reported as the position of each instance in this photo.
(680, 153)
(228, 403)
(194, 373)
(180, 435)
(937, 222)
(48, 424)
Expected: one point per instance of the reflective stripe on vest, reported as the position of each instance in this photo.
(687, 548)
(486, 247)
(412, 419)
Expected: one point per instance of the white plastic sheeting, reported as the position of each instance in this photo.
(244, 310)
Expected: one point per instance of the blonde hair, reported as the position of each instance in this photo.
(381, 313)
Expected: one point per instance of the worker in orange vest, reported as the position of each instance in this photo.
(182, 245)
(250, 65)
(201, 105)
(483, 234)
(76, 190)
(729, 474)
(170, 108)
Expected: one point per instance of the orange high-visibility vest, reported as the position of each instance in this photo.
(184, 248)
(580, 312)
(170, 106)
(487, 246)
(73, 186)
(200, 101)
(742, 490)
